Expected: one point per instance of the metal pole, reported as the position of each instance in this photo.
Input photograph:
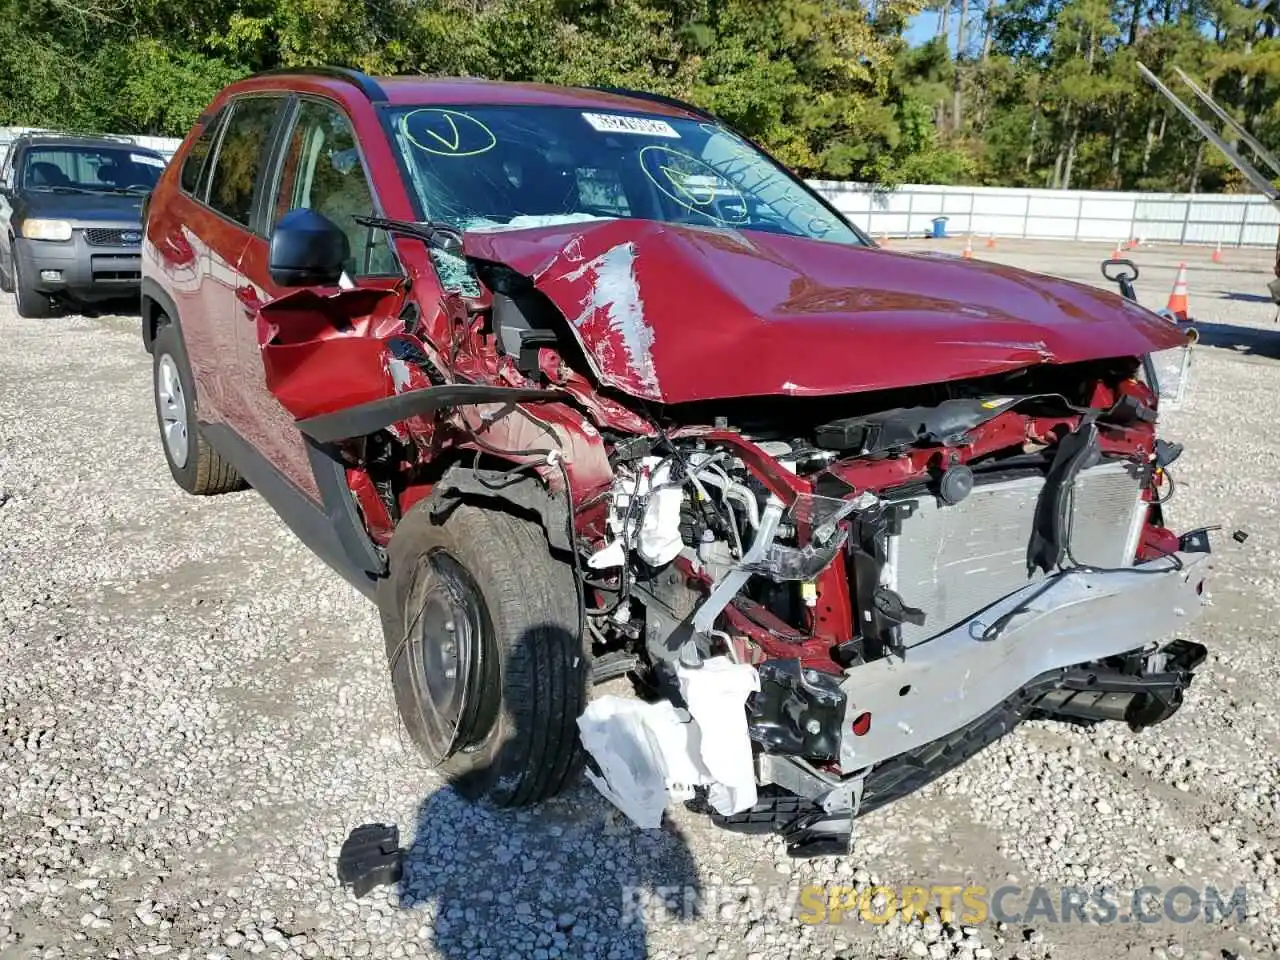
(1262, 152)
(1262, 184)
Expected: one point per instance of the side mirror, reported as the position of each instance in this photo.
(307, 250)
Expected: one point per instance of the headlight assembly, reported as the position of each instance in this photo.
(46, 229)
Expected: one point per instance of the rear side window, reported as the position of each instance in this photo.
(193, 164)
(242, 157)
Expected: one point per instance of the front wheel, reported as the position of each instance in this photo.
(6, 271)
(487, 661)
(31, 303)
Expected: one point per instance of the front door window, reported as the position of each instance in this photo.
(322, 170)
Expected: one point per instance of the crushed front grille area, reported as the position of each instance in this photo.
(952, 561)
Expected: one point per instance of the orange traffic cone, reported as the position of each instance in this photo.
(991, 242)
(1217, 253)
(1131, 244)
(884, 239)
(1178, 296)
(1119, 249)
(968, 247)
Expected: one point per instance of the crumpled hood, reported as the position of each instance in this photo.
(675, 313)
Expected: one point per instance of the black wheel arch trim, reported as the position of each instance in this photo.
(152, 292)
(366, 418)
(341, 510)
(331, 529)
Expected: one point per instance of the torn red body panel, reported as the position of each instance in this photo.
(676, 313)
(317, 352)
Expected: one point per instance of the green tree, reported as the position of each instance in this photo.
(1036, 92)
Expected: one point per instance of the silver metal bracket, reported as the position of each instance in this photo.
(727, 587)
(836, 795)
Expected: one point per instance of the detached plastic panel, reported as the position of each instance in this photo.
(371, 857)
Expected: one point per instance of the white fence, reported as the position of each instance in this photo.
(909, 210)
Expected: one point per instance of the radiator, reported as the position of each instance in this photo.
(952, 561)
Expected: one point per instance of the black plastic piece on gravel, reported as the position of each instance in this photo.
(371, 857)
(806, 828)
(769, 815)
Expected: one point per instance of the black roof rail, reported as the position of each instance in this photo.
(657, 98)
(49, 133)
(368, 86)
(38, 132)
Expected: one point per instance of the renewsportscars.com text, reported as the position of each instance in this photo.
(972, 904)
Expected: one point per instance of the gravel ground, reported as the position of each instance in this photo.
(194, 712)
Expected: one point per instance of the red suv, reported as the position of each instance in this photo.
(579, 384)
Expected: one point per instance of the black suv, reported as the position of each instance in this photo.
(71, 219)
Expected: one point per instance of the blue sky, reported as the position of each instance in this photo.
(922, 27)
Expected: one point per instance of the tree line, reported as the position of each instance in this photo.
(1011, 92)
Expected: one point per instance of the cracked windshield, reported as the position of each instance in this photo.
(505, 168)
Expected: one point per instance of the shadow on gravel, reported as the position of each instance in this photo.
(1253, 341)
(115, 307)
(1244, 297)
(571, 877)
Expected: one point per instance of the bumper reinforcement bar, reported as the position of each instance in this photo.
(810, 831)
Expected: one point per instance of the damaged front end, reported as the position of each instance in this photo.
(891, 524)
(911, 583)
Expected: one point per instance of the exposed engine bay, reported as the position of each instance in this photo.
(910, 570)
(816, 553)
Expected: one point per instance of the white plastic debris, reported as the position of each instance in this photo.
(650, 755)
(611, 555)
(656, 534)
(660, 540)
(716, 693)
(644, 752)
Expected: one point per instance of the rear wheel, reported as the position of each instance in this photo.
(31, 303)
(195, 465)
(483, 643)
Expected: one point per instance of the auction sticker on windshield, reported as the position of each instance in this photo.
(620, 123)
(147, 159)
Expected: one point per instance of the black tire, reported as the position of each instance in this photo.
(32, 304)
(203, 471)
(483, 582)
(6, 271)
